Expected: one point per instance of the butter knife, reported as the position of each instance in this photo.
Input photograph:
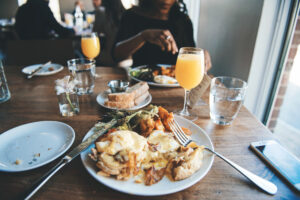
(68, 158)
(37, 70)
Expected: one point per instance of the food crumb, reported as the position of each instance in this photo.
(49, 149)
(50, 69)
(18, 162)
(138, 181)
(37, 155)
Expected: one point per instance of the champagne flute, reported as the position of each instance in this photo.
(90, 45)
(189, 73)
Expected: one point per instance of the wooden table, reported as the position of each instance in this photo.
(35, 100)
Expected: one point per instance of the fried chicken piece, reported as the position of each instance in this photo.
(153, 176)
(186, 164)
(166, 117)
(159, 125)
(155, 72)
(186, 131)
(147, 126)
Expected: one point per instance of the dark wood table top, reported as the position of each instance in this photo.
(35, 100)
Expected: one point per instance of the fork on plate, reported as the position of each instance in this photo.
(185, 140)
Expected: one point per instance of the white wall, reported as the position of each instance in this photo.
(228, 29)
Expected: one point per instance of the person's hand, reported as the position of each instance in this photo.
(162, 38)
(207, 60)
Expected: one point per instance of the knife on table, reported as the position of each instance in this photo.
(104, 127)
(37, 70)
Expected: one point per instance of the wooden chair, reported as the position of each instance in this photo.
(27, 52)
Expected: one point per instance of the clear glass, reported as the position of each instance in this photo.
(68, 104)
(226, 98)
(4, 91)
(90, 45)
(83, 70)
(189, 73)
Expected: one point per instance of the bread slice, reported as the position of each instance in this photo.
(119, 104)
(120, 97)
(138, 89)
(141, 98)
(133, 96)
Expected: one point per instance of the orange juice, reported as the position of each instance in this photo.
(189, 70)
(89, 19)
(90, 47)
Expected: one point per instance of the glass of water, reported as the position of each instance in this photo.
(68, 104)
(4, 91)
(83, 70)
(226, 98)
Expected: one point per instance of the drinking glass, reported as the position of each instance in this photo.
(189, 73)
(4, 91)
(226, 98)
(68, 104)
(90, 45)
(83, 71)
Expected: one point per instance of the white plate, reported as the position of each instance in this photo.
(34, 144)
(150, 82)
(102, 97)
(44, 71)
(165, 186)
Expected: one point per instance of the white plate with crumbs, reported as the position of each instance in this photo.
(35, 144)
(49, 69)
(102, 97)
(165, 186)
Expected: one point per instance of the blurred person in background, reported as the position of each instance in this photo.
(79, 7)
(97, 5)
(35, 20)
(153, 32)
(107, 19)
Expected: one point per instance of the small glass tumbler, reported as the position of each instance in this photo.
(83, 70)
(226, 98)
(4, 91)
(68, 104)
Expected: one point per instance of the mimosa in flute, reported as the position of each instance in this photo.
(90, 45)
(189, 72)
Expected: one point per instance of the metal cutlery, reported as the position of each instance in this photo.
(263, 184)
(37, 70)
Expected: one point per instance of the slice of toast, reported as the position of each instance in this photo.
(141, 98)
(119, 105)
(138, 89)
(121, 97)
(133, 96)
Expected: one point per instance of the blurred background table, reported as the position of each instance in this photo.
(35, 100)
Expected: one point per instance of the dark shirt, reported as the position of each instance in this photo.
(104, 24)
(180, 26)
(35, 20)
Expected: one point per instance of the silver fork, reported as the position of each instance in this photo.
(184, 140)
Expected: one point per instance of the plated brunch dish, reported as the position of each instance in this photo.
(156, 75)
(142, 152)
(133, 98)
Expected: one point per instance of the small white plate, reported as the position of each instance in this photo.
(165, 186)
(44, 71)
(34, 144)
(150, 82)
(102, 97)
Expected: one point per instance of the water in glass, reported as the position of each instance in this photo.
(225, 99)
(4, 91)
